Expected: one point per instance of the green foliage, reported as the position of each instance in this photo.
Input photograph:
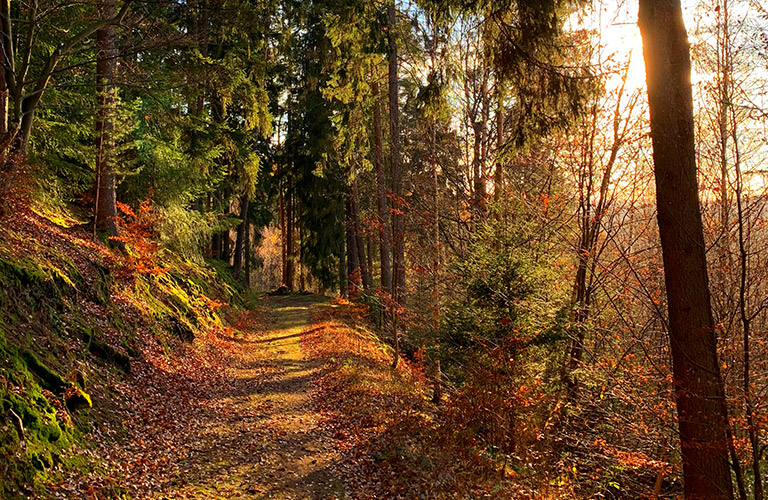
(186, 232)
(509, 293)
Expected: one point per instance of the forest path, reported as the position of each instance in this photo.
(288, 452)
(238, 423)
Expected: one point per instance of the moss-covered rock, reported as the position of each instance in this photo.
(77, 399)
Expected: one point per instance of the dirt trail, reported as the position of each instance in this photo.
(294, 463)
(244, 428)
(269, 443)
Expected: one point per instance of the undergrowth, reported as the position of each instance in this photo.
(394, 441)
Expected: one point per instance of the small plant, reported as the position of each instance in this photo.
(139, 235)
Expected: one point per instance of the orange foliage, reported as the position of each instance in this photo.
(138, 234)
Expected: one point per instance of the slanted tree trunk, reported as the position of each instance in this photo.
(106, 64)
(699, 392)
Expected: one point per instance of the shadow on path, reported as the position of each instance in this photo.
(260, 437)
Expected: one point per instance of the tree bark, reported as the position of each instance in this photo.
(283, 247)
(226, 242)
(498, 173)
(289, 264)
(381, 193)
(237, 261)
(106, 64)
(353, 257)
(247, 257)
(394, 150)
(342, 267)
(358, 234)
(699, 391)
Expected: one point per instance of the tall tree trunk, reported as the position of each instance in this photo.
(394, 149)
(498, 173)
(369, 246)
(478, 183)
(106, 63)
(699, 392)
(289, 265)
(753, 431)
(437, 393)
(6, 65)
(381, 192)
(226, 241)
(725, 87)
(302, 286)
(248, 254)
(283, 247)
(237, 261)
(342, 267)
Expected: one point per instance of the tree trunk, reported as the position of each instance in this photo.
(498, 173)
(394, 149)
(699, 392)
(342, 268)
(6, 64)
(289, 264)
(369, 246)
(478, 183)
(283, 248)
(226, 241)
(381, 193)
(247, 256)
(106, 63)
(237, 261)
(358, 233)
(353, 260)
(302, 285)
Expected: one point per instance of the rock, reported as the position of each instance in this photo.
(77, 399)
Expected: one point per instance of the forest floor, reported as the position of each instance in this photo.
(299, 402)
(242, 426)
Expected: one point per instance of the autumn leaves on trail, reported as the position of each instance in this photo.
(303, 404)
(235, 422)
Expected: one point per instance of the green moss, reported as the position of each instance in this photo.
(50, 379)
(44, 435)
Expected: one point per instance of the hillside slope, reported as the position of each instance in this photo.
(80, 324)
